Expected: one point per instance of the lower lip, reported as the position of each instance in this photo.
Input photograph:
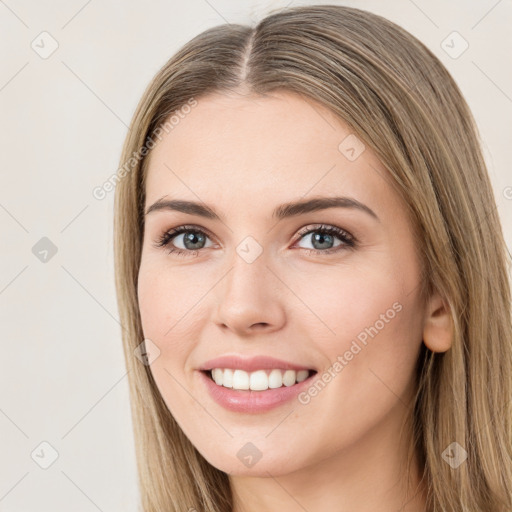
(249, 401)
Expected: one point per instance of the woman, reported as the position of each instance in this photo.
(312, 277)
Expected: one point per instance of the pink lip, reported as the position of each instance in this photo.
(251, 364)
(248, 401)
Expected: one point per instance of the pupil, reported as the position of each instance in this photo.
(193, 238)
(320, 237)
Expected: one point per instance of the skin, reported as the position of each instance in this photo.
(244, 155)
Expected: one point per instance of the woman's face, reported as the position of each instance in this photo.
(251, 283)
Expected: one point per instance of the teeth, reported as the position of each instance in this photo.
(259, 380)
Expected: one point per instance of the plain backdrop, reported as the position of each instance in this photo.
(65, 428)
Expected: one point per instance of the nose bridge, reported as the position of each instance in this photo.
(247, 278)
(247, 296)
(249, 257)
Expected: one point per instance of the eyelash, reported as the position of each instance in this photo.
(349, 241)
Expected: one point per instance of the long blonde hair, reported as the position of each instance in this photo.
(402, 102)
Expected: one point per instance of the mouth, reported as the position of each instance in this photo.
(255, 392)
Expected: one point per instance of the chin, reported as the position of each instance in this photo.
(235, 466)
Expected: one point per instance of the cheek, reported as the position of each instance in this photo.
(168, 319)
(174, 308)
(370, 351)
(152, 298)
(166, 308)
(369, 320)
(169, 300)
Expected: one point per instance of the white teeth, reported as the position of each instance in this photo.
(275, 379)
(240, 379)
(217, 375)
(259, 380)
(227, 378)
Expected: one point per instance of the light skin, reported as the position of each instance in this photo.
(244, 156)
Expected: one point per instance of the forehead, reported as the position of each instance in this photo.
(234, 150)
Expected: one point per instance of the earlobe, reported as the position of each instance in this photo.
(438, 325)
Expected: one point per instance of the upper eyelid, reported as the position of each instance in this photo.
(318, 227)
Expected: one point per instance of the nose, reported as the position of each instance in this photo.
(250, 299)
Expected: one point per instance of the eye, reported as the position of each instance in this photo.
(323, 239)
(191, 237)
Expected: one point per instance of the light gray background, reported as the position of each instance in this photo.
(64, 119)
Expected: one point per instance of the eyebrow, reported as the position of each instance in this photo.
(283, 211)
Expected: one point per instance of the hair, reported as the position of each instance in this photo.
(400, 100)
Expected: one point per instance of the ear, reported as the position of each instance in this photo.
(438, 324)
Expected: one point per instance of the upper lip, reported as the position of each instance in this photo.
(250, 364)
